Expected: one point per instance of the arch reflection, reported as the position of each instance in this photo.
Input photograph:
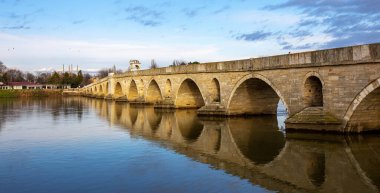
(258, 138)
(189, 124)
(255, 149)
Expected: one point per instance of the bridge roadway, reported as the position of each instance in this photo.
(255, 149)
(327, 90)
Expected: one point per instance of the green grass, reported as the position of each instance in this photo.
(29, 93)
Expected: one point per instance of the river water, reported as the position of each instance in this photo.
(89, 145)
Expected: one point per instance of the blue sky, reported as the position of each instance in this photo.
(44, 34)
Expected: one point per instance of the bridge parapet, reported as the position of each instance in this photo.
(334, 82)
(329, 57)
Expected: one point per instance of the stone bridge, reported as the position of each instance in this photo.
(333, 90)
(255, 149)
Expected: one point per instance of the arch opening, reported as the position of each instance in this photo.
(215, 91)
(133, 92)
(153, 93)
(101, 89)
(365, 116)
(254, 97)
(105, 89)
(168, 88)
(118, 90)
(189, 95)
(312, 92)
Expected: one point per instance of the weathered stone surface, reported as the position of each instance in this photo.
(339, 80)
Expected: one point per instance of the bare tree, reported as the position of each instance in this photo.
(103, 72)
(30, 77)
(179, 62)
(153, 64)
(43, 77)
(14, 75)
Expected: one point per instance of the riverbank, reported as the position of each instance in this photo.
(29, 93)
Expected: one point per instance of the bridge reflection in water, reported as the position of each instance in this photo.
(256, 149)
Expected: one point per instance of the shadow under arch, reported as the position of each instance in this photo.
(105, 89)
(153, 93)
(255, 95)
(118, 90)
(312, 92)
(100, 89)
(257, 138)
(132, 91)
(364, 111)
(168, 88)
(188, 124)
(215, 91)
(189, 95)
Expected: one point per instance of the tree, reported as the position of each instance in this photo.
(195, 62)
(79, 78)
(14, 75)
(103, 72)
(3, 68)
(55, 79)
(153, 64)
(179, 62)
(4, 77)
(43, 77)
(30, 77)
(86, 80)
(66, 78)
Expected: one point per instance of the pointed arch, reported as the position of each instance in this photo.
(189, 95)
(153, 93)
(101, 89)
(133, 92)
(105, 89)
(118, 90)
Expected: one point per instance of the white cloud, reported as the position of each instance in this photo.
(33, 52)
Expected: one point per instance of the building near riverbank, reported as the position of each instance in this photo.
(30, 85)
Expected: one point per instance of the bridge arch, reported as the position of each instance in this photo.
(153, 92)
(364, 111)
(95, 90)
(105, 89)
(101, 89)
(133, 93)
(118, 92)
(312, 91)
(215, 91)
(168, 88)
(254, 94)
(189, 95)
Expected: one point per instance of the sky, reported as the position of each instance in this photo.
(38, 35)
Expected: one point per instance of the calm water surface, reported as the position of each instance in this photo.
(89, 145)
